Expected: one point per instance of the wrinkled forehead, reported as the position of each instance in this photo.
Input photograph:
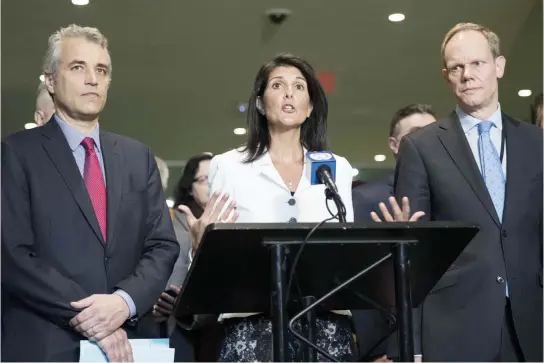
(79, 49)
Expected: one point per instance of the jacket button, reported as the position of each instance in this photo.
(292, 220)
(500, 280)
(107, 259)
(292, 202)
(504, 233)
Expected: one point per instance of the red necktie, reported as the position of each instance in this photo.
(94, 181)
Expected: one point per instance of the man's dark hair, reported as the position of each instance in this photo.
(407, 111)
(314, 129)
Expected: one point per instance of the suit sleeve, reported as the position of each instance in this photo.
(25, 275)
(160, 250)
(411, 180)
(184, 238)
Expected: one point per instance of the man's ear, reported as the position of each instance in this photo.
(50, 83)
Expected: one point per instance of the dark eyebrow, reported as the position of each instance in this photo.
(280, 77)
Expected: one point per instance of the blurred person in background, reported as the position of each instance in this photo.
(287, 116)
(366, 199)
(163, 171)
(482, 167)
(45, 108)
(537, 110)
(192, 192)
(90, 243)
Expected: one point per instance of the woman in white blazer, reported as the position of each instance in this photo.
(287, 116)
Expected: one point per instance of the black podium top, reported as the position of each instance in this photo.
(232, 267)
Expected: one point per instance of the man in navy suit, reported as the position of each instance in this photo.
(87, 240)
(371, 326)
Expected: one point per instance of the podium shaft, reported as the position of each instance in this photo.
(404, 302)
(279, 317)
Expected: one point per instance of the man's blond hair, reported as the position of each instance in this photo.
(492, 38)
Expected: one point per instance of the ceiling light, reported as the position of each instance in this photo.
(379, 158)
(42, 78)
(170, 203)
(80, 2)
(524, 92)
(30, 125)
(396, 17)
(354, 172)
(239, 131)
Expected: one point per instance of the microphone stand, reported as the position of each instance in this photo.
(339, 204)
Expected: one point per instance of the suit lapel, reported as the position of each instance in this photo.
(59, 151)
(266, 167)
(514, 170)
(453, 138)
(113, 167)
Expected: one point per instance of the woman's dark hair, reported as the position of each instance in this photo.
(183, 192)
(313, 130)
(536, 110)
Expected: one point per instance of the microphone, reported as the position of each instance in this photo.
(322, 170)
(321, 163)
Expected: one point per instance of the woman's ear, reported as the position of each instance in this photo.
(259, 104)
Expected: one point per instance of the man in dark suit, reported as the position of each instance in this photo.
(372, 326)
(87, 240)
(480, 166)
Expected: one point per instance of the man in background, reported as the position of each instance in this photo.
(45, 108)
(367, 196)
(372, 327)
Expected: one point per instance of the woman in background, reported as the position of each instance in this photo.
(192, 191)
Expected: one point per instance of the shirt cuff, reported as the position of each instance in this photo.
(128, 300)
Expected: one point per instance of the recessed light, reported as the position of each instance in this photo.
(379, 158)
(396, 17)
(239, 131)
(30, 125)
(42, 78)
(80, 2)
(524, 92)
(354, 172)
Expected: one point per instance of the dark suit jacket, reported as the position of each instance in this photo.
(463, 314)
(52, 249)
(366, 197)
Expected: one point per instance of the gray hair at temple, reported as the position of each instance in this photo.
(52, 56)
(163, 171)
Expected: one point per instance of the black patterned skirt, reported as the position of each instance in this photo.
(250, 339)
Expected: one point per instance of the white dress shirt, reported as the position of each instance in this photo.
(262, 196)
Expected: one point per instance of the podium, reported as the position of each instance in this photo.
(244, 268)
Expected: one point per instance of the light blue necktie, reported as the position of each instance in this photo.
(491, 166)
